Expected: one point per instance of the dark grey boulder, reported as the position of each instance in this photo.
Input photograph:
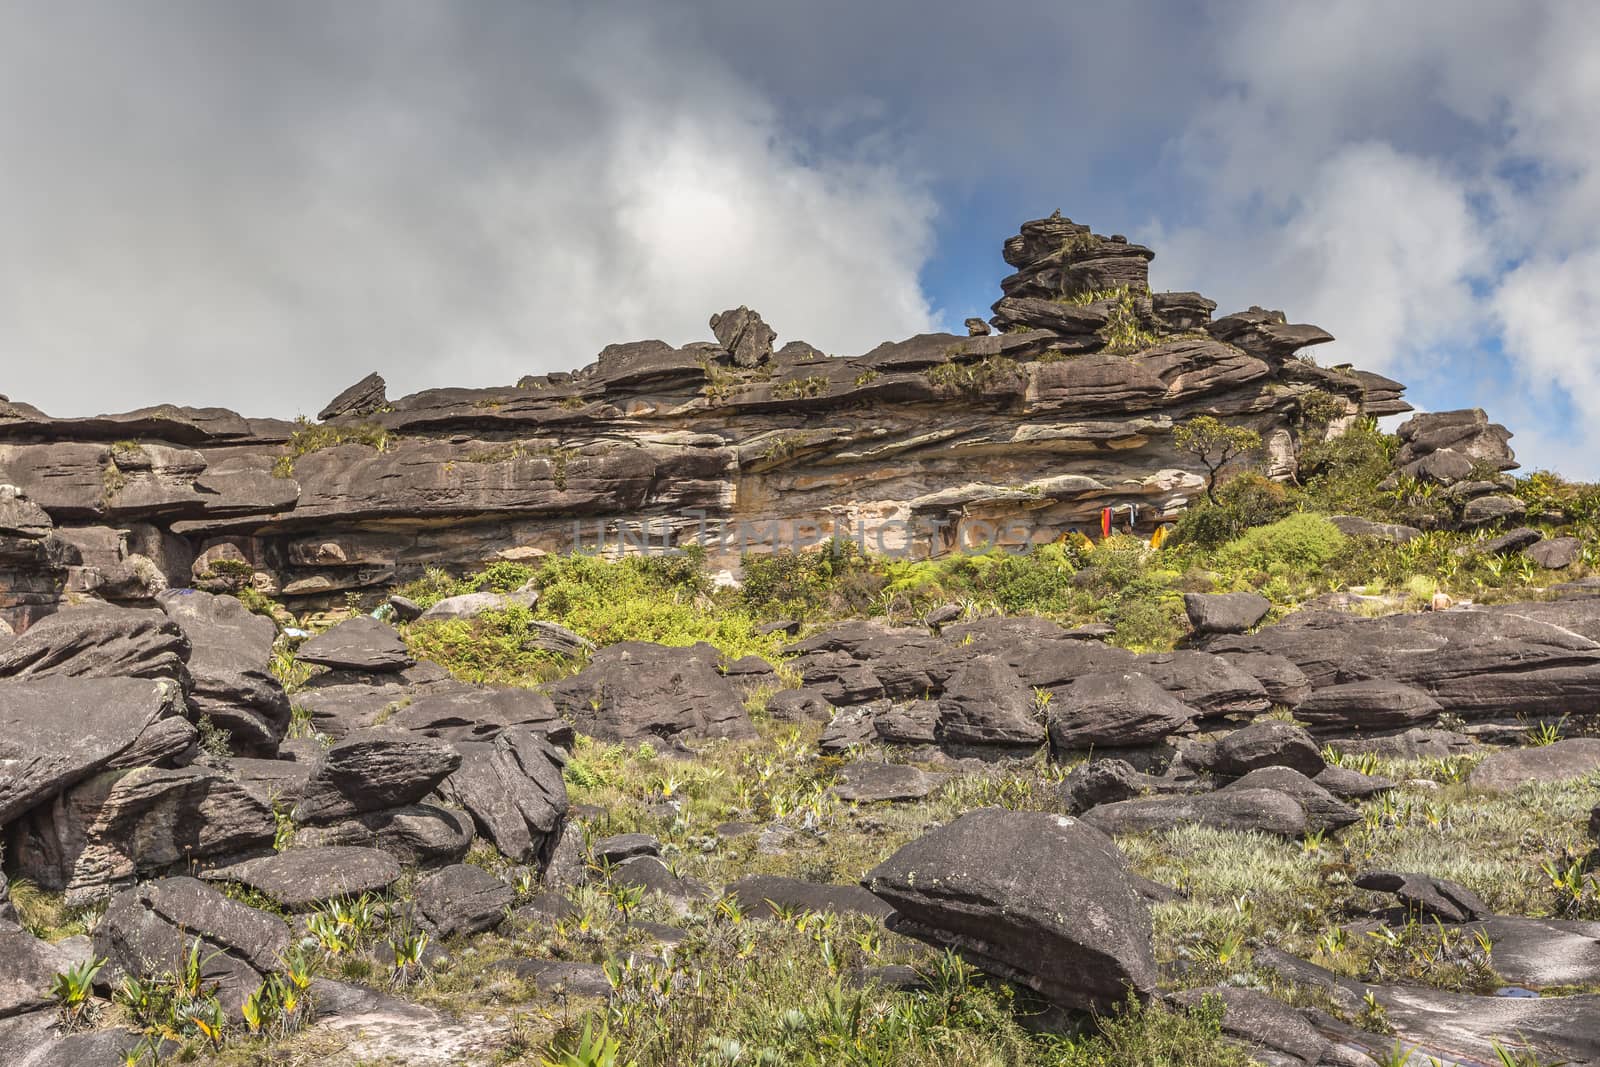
(302, 877)
(620, 847)
(799, 705)
(1209, 684)
(1324, 811)
(1432, 897)
(565, 978)
(339, 708)
(27, 966)
(985, 705)
(99, 641)
(1225, 613)
(1106, 781)
(653, 876)
(1415, 743)
(229, 661)
(1373, 706)
(463, 899)
(1505, 544)
(918, 723)
(1504, 771)
(1351, 784)
(1556, 553)
(1263, 1024)
(1394, 533)
(151, 929)
(1114, 710)
(361, 644)
(866, 782)
(513, 790)
(1264, 743)
(634, 691)
(1265, 810)
(742, 333)
(421, 835)
(1482, 664)
(367, 396)
(1283, 682)
(371, 770)
(1491, 509)
(1044, 900)
(57, 731)
(767, 894)
(464, 712)
(125, 824)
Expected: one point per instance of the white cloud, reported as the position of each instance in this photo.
(229, 207)
(1429, 193)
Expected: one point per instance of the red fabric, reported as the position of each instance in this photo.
(1105, 522)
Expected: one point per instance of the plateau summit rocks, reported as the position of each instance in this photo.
(924, 443)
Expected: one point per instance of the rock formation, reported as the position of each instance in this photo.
(1021, 434)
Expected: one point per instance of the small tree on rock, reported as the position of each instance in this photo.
(1215, 444)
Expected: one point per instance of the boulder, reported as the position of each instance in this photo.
(125, 824)
(1106, 781)
(1225, 613)
(366, 397)
(985, 705)
(1265, 810)
(653, 876)
(359, 644)
(620, 847)
(513, 790)
(1351, 785)
(1264, 743)
(458, 712)
(634, 691)
(1366, 707)
(1504, 771)
(371, 770)
(27, 966)
(1209, 684)
(463, 899)
(1043, 900)
(799, 705)
(229, 662)
(1283, 682)
(418, 835)
(150, 930)
(1262, 1023)
(1504, 545)
(302, 877)
(1394, 533)
(1556, 553)
(1486, 510)
(871, 783)
(1114, 710)
(99, 641)
(1324, 811)
(745, 337)
(1434, 898)
(57, 731)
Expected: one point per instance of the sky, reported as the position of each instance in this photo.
(231, 203)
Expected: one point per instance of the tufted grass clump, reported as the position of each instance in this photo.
(309, 437)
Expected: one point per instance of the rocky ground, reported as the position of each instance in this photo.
(1299, 842)
(318, 744)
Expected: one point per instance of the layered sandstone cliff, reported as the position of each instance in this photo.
(1023, 433)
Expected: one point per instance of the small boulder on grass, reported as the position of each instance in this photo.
(463, 899)
(1044, 900)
